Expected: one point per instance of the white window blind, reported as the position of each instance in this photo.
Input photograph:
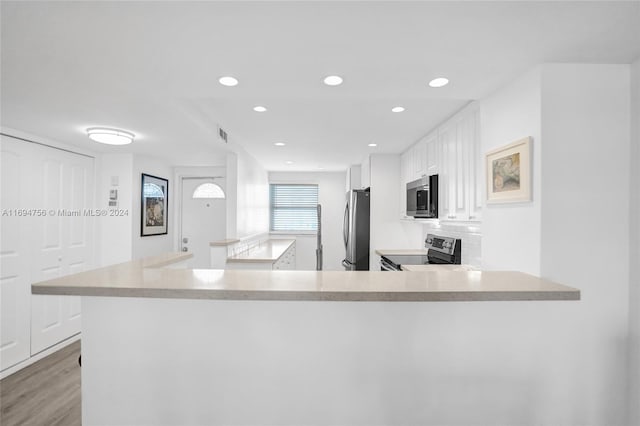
(293, 207)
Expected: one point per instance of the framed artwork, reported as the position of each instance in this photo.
(509, 173)
(153, 212)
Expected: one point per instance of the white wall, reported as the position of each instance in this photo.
(585, 148)
(387, 231)
(511, 233)
(251, 207)
(331, 195)
(634, 281)
(232, 194)
(115, 171)
(578, 116)
(155, 244)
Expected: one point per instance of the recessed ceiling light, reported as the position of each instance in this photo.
(439, 82)
(259, 108)
(373, 144)
(320, 168)
(228, 81)
(110, 136)
(333, 80)
(397, 109)
(279, 144)
(288, 162)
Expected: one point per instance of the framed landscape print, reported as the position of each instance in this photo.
(155, 198)
(509, 173)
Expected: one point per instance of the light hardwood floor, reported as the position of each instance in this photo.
(44, 393)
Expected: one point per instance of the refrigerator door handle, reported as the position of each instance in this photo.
(345, 225)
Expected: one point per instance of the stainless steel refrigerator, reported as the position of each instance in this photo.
(356, 230)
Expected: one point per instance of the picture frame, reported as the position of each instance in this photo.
(508, 171)
(154, 218)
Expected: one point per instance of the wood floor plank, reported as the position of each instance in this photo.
(45, 393)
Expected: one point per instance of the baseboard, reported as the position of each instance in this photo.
(19, 366)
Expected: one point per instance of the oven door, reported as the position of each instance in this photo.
(386, 265)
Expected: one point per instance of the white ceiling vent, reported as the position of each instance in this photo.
(222, 135)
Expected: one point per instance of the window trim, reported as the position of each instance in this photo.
(271, 209)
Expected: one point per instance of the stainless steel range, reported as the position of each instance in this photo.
(440, 250)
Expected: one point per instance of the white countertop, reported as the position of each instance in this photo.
(267, 251)
(143, 278)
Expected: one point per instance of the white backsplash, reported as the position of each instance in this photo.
(469, 233)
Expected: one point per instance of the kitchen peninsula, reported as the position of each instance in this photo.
(166, 345)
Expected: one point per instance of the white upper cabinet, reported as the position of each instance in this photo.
(354, 175)
(365, 175)
(476, 169)
(405, 176)
(432, 153)
(420, 159)
(453, 152)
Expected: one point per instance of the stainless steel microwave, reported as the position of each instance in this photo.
(422, 197)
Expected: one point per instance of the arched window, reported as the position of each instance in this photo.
(208, 190)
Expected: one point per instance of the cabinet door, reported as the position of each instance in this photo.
(431, 152)
(448, 173)
(15, 291)
(62, 241)
(420, 159)
(405, 160)
(293, 266)
(464, 134)
(476, 168)
(460, 167)
(365, 179)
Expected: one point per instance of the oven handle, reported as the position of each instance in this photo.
(385, 267)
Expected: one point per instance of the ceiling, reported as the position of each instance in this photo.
(152, 68)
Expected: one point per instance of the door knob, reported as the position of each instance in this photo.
(185, 249)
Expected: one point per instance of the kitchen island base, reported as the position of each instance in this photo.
(234, 362)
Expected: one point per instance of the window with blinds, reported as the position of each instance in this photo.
(293, 207)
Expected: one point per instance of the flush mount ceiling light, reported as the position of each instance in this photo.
(110, 136)
(439, 82)
(373, 144)
(333, 80)
(259, 108)
(397, 109)
(228, 81)
(279, 144)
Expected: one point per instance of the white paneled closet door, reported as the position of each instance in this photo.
(15, 294)
(62, 242)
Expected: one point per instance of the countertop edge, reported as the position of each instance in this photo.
(319, 296)
(409, 252)
(224, 243)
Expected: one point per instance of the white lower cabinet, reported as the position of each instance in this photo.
(286, 262)
(46, 233)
